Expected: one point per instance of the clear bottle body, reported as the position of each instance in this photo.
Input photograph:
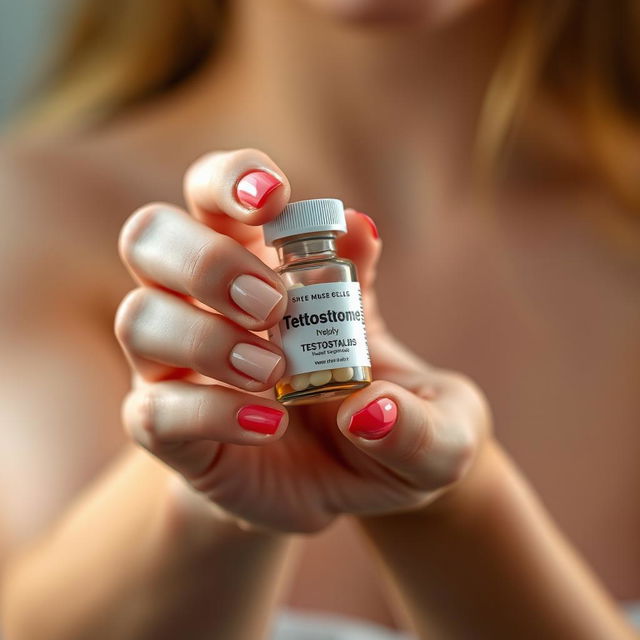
(312, 260)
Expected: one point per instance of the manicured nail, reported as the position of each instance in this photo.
(255, 417)
(253, 189)
(253, 361)
(372, 224)
(254, 296)
(375, 420)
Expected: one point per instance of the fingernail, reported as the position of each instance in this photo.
(253, 361)
(255, 417)
(253, 189)
(372, 224)
(254, 296)
(374, 421)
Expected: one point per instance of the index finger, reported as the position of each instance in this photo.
(243, 185)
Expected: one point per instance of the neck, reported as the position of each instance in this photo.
(379, 115)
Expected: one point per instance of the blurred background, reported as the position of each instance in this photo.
(601, 526)
(27, 28)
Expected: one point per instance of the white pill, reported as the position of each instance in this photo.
(318, 378)
(343, 374)
(300, 381)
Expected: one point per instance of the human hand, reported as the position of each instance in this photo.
(202, 400)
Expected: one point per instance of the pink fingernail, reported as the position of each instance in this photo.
(371, 223)
(253, 188)
(253, 361)
(376, 419)
(254, 296)
(255, 417)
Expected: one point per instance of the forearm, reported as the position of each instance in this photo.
(132, 559)
(485, 561)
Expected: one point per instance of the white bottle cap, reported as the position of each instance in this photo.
(306, 216)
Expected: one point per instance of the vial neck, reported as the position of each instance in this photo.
(302, 248)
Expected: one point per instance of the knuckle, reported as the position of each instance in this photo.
(202, 263)
(200, 416)
(128, 311)
(139, 418)
(199, 339)
(472, 399)
(465, 386)
(460, 382)
(134, 226)
(452, 466)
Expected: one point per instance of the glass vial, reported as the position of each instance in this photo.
(323, 332)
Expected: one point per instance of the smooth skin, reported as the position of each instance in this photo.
(432, 443)
(105, 541)
(228, 516)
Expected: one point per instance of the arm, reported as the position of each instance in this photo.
(485, 561)
(140, 556)
(93, 543)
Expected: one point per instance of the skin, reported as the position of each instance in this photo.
(525, 321)
(427, 12)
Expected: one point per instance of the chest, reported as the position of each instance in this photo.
(549, 325)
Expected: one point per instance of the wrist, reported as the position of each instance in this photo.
(189, 513)
(461, 501)
(467, 497)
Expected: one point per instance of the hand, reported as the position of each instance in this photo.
(205, 291)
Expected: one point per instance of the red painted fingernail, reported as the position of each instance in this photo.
(253, 189)
(375, 420)
(255, 417)
(372, 224)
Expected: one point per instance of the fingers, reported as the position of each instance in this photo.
(157, 329)
(362, 245)
(186, 424)
(244, 184)
(163, 246)
(425, 441)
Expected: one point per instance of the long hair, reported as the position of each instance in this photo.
(119, 53)
(584, 52)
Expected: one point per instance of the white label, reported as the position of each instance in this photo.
(323, 328)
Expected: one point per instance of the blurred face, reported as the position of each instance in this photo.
(429, 12)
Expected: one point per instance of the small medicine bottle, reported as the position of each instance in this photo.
(322, 332)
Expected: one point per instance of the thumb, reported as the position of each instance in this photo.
(362, 245)
(407, 434)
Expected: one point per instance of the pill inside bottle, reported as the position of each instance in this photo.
(322, 333)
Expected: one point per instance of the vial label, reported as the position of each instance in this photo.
(323, 328)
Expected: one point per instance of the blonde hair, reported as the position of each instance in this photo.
(122, 52)
(585, 52)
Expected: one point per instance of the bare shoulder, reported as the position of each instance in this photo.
(63, 376)
(62, 204)
(65, 174)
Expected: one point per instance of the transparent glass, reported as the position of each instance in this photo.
(305, 260)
